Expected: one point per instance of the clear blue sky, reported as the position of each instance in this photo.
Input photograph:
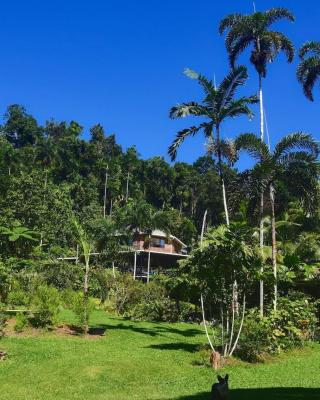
(120, 63)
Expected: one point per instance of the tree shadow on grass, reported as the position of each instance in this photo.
(156, 330)
(189, 347)
(292, 393)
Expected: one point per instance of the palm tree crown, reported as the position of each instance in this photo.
(292, 155)
(218, 104)
(308, 70)
(246, 30)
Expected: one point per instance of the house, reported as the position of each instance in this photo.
(155, 252)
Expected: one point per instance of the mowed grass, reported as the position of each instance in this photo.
(138, 360)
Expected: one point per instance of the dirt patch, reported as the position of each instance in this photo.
(60, 331)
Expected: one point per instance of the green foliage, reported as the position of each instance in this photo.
(18, 297)
(294, 323)
(21, 322)
(45, 303)
(3, 319)
(82, 306)
(60, 274)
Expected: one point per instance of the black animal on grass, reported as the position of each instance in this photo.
(220, 390)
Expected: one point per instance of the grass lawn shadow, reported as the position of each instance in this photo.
(189, 347)
(292, 393)
(156, 330)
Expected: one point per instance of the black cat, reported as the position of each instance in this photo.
(220, 390)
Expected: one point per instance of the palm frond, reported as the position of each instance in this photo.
(280, 42)
(187, 109)
(239, 107)
(226, 147)
(253, 145)
(229, 21)
(296, 140)
(230, 84)
(308, 72)
(183, 134)
(312, 47)
(276, 14)
(297, 157)
(206, 83)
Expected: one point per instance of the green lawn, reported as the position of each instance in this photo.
(137, 360)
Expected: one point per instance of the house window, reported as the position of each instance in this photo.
(157, 242)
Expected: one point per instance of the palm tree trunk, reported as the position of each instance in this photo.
(86, 296)
(274, 247)
(261, 228)
(105, 194)
(224, 195)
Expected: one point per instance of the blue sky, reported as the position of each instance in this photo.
(120, 63)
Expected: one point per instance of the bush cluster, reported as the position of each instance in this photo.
(293, 324)
(135, 299)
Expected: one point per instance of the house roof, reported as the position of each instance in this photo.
(159, 233)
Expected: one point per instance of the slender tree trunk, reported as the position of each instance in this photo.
(224, 195)
(127, 188)
(274, 247)
(86, 296)
(105, 194)
(44, 199)
(149, 260)
(261, 227)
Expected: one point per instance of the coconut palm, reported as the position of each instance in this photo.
(254, 30)
(293, 154)
(217, 106)
(308, 70)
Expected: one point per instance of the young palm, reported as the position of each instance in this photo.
(254, 30)
(217, 106)
(293, 162)
(308, 71)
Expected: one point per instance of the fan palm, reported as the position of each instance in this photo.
(217, 106)
(254, 30)
(293, 153)
(308, 70)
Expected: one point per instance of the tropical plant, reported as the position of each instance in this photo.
(293, 154)
(86, 246)
(308, 71)
(227, 255)
(218, 105)
(254, 30)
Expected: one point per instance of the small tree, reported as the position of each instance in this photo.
(225, 257)
(87, 246)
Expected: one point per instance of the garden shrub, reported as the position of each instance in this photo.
(21, 322)
(82, 308)
(18, 297)
(45, 305)
(124, 291)
(295, 320)
(293, 324)
(3, 319)
(155, 305)
(256, 340)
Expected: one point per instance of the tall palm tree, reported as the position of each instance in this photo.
(254, 30)
(293, 153)
(217, 106)
(308, 70)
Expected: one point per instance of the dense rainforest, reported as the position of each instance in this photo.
(47, 172)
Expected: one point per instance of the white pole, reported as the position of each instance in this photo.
(113, 270)
(135, 265)
(149, 259)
